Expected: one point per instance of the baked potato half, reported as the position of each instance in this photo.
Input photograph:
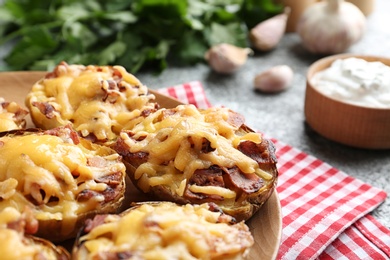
(98, 101)
(187, 155)
(18, 241)
(164, 230)
(12, 115)
(63, 178)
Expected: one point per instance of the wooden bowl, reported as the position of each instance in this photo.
(265, 225)
(352, 125)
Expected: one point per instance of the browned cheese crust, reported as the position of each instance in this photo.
(63, 178)
(196, 156)
(17, 231)
(12, 115)
(164, 230)
(98, 101)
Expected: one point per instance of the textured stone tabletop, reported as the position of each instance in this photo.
(281, 115)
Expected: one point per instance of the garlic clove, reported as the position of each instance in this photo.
(331, 26)
(226, 58)
(275, 79)
(266, 35)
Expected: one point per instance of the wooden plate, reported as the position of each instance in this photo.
(265, 225)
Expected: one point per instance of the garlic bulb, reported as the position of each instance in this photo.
(226, 58)
(275, 79)
(267, 34)
(331, 26)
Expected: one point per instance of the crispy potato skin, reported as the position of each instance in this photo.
(244, 239)
(53, 229)
(60, 252)
(246, 205)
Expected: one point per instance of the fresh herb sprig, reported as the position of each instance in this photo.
(136, 34)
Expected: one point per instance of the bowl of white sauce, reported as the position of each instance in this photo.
(348, 100)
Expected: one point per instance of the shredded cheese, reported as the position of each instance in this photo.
(9, 116)
(35, 168)
(14, 245)
(168, 231)
(98, 100)
(173, 142)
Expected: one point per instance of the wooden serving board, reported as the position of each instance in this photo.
(265, 225)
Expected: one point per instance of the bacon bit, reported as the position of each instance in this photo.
(200, 197)
(141, 137)
(147, 111)
(112, 179)
(57, 70)
(235, 119)
(116, 73)
(135, 159)
(263, 153)
(248, 183)
(212, 176)
(74, 136)
(121, 87)
(17, 225)
(167, 113)
(111, 91)
(64, 131)
(31, 223)
(224, 218)
(96, 161)
(206, 145)
(109, 194)
(95, 222)
(111, 97)
(85, 195)
(208, 177)
(45, 108)
(20, 114)
(112, 84)
(214, 207)
(27, 223)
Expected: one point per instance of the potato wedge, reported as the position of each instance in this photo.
(63, 178)
(187, 155)
(18, 241)
(98, 101)
(164, 230)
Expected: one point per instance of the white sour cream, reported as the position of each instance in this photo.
(356, 81)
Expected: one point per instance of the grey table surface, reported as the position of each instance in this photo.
(281, 115)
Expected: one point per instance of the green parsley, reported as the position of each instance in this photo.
(137, 34)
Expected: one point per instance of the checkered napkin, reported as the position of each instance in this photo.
(325, 211)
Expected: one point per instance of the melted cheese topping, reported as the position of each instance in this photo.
(168, 231)
(13, 243)
(47, 173)
(8, 120)
(98, 100)
(174, 144)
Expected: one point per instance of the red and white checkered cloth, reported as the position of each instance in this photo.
(325, 211)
